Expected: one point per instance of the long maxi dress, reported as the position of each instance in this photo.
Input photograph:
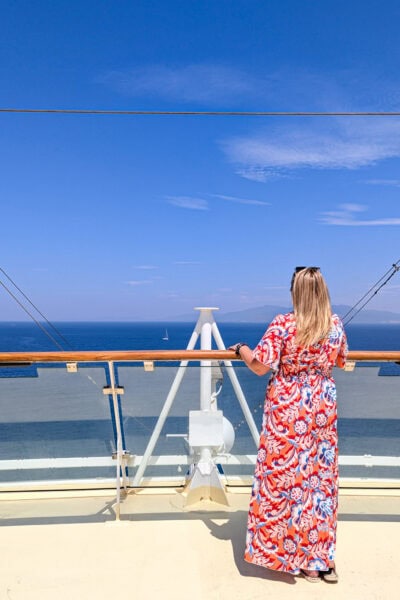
(293, 507)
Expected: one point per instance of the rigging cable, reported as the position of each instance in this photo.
(205, 113)
(31, 316)
(371, 293)
(38, 322)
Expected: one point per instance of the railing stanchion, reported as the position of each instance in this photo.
(119, 454)
(164, 412)
(237, 387)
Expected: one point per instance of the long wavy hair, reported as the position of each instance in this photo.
(312, 306)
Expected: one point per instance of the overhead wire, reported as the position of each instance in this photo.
(205, 113)
(373, 290)
(34, 319)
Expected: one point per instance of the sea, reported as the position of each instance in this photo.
(27, 336)
(47, 412)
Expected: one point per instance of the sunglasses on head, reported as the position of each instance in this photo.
(297, 270)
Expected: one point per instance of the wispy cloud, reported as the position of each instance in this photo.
(337, 144)
(195, 203)
(347, 216)
(389, 182)
(240, 200)
(209, 84)
(199, 83)
(145, 267)
(136, 282)
(212, 83)
(276, 151)
(260, 174)
(188, 202)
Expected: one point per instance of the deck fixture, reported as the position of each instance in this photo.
(121, 456)
(209, 431)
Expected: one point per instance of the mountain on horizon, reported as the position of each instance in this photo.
(265, 314)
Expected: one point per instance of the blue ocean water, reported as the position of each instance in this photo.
(26, 336)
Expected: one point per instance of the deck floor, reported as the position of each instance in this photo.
(64, 548)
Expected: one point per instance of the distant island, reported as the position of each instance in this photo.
(264, 314)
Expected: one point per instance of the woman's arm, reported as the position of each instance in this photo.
(342, 354)
(246, 354)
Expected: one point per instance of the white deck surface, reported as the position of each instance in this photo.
(55, 549)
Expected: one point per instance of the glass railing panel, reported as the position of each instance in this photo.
(64, 418)
(369, 419)
(146, 392)
(56, 418)
(368, 423)
(245, 447)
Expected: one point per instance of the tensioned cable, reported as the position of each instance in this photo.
(371, 292)
(37, 310)
(205, 113)
(368, 291)
(31, 316)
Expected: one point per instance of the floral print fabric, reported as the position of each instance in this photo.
(293, 508)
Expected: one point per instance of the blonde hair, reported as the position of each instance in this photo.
(312, 306)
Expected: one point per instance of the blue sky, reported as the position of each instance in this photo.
(131, 218)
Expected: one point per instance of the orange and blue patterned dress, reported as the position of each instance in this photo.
(293, 508)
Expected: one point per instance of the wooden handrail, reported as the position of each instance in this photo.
(164, 355)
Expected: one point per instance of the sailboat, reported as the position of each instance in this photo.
(166, 338)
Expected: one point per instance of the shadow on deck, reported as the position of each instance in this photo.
(73, 547)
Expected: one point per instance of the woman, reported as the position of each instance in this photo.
(292, 516)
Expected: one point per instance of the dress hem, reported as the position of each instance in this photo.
(257, 564)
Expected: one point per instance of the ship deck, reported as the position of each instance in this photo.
(69, 546)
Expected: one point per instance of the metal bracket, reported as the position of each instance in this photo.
(72, 367)
(148, 365)
(125, 454)
(350, 365)
(113, 390)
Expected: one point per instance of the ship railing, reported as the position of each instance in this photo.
(131, 419)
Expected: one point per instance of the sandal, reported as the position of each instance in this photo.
(330, 576)
(311, 578)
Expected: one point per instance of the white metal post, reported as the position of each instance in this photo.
(117, 415)
(164, 411)
(204, 480)
(237, 387)
(205, 366)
